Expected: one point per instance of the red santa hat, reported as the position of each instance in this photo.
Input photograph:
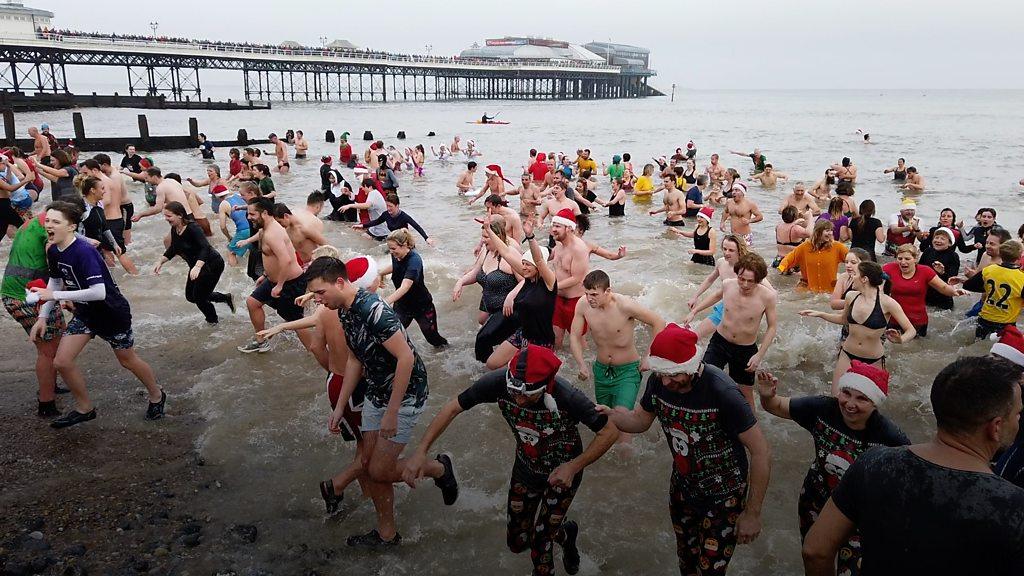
(674, 351)
(496, 170)
(362, 271)
(220, 191)
(689, 144)
(739, 187)
(536, 366)
(1010, 344)
(565, 217)
(326, 160)
(869, 380)
(706, 213)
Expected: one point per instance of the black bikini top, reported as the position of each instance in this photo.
(876, 320)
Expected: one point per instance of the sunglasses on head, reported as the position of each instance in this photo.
(516, 386)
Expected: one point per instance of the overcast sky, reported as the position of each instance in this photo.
(695, 44)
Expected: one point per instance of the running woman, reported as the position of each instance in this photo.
(843, 428)
(204, 263)
(100, 310)
(544, 413)
(411, 299)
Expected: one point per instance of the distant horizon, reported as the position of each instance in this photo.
(740, 45)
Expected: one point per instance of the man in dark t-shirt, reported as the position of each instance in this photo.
(710, 427)
(936, 508)
(695, 196)
(544, 413)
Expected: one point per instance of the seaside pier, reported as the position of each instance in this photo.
(35, 61)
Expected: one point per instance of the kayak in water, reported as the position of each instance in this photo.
(488, 122)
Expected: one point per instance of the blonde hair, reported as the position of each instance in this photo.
(741, 244)
(79, 180)
(498, 227)
(402, 237)
(326, 250)
(908, 249)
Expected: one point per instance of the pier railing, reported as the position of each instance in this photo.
(228, 49)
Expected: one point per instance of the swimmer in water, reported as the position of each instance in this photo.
(914, 183)
(465, 182)
(899, 171)
(768, 177)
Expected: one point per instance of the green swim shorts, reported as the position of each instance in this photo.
(617, 385)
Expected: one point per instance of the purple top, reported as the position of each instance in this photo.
(837, 224)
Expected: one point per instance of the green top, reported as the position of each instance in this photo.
(615, 171)
(27, 260)
(266, 185)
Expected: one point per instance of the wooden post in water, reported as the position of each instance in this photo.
(143, 129)
(9, 131)
(673, 92)
(76, 119)
(193, 129)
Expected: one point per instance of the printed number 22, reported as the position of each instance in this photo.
(1004, 289)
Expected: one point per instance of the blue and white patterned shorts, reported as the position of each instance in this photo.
(119, 341)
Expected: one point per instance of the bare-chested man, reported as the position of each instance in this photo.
(741, 213)
(558, 201)
(673, 203)
(768, 177)
(113, 194)
(282, 281)
(166, 190)
(40, 145)
(800, 200)
(301, 145)
(495, 183)
(733, 248)
(465, 182)
(305, 231)
(496, 206)
(915, 182)
(611, 318)
(281, 151)
(716, 172)
(571, 260)
(746, 301)
(529, 197)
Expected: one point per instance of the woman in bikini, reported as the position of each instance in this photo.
(867, 313)
(789, 234)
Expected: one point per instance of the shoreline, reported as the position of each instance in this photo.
(119, 494)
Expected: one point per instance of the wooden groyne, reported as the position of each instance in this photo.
(40, 102)
(144, 140)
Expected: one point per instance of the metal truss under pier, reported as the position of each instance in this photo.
(154, 69)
